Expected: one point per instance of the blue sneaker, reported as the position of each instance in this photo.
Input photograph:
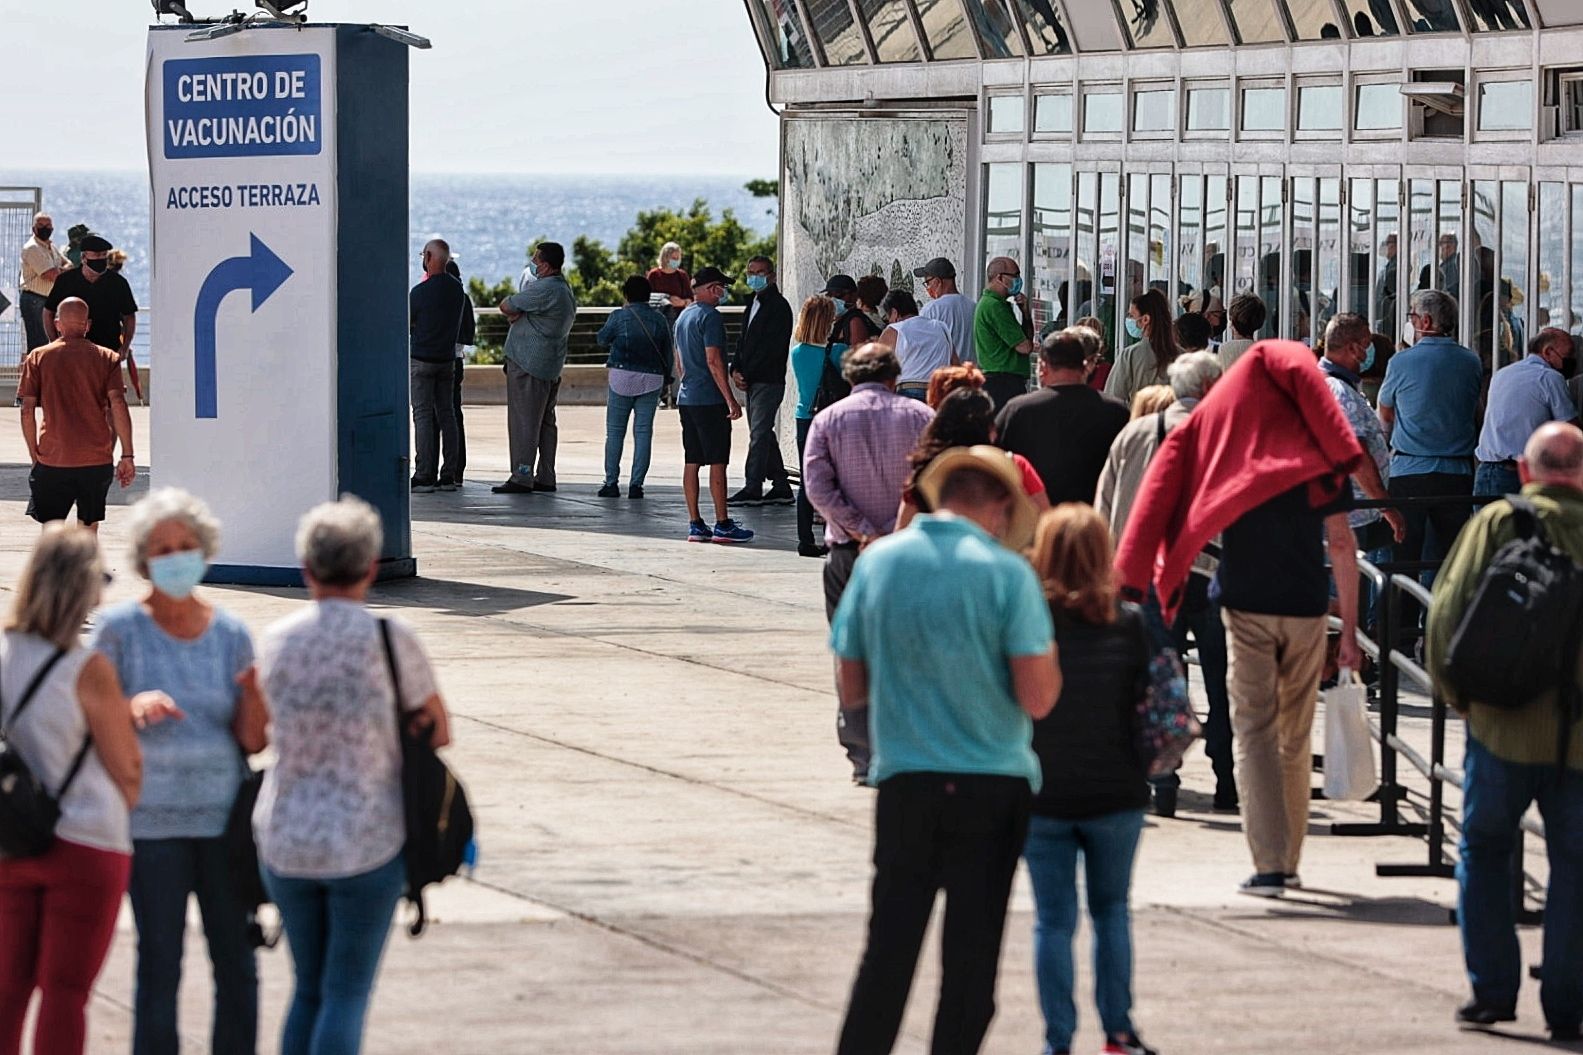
(698, 531)
(729, 530)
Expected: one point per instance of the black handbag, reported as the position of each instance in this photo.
(434, 805)
(242, 849)
(28, 812)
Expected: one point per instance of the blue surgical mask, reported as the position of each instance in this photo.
(1134, 329)
(1015, 287)
(725, 298)
(176, 575)
(1368, 361)
(757, 282)
(840, 306)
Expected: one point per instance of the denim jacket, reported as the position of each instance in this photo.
(639, 339)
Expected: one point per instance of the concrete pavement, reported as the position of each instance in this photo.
(673, 859)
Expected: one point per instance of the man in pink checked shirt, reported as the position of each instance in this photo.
(854, 470)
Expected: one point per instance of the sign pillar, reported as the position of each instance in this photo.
(278, 172)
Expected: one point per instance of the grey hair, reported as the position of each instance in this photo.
(170, 503)
(667, 249)
(337, 542)
(1440, 306)
(1193, 374)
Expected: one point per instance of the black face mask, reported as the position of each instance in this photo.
(44, 233)
(98, 265)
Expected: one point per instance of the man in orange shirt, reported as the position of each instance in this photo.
(79, 385)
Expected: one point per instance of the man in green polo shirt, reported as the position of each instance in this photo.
(1001, 342)
(1512, 762)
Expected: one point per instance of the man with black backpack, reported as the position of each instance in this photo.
(1503, 650)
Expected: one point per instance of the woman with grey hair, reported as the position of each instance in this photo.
(329, 818)
(199, 721)
(1194, 374)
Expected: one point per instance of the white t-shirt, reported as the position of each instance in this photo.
(922, 346)
(956, 311)
(330, 807)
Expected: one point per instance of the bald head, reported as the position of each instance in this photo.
(1001, 274)
(1554, 455)
(436, 254)
(71, 317)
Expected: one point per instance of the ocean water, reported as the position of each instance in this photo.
(488, 220)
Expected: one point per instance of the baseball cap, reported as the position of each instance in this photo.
(997, 463)
(939, 267)
(840, 286)
(706, 276)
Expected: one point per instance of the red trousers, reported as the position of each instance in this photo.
(57, 916)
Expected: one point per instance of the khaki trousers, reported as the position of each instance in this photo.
(1273, 682)
(531, 432)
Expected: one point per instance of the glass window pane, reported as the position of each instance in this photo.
(1574, 292)
(1360, 247)
(1086, 256)
(833, 24)
(1512, 301)
(1247, 233)
(1270, 245)
(1257, 22)
(1051, 292)
(1327, 260)
(1371, 18)
(1003, 211)
(1161, 252)
(1109, 250)
(1486, 203)
(1506, 106)
(1319, 107)
(1560, 12)
(1052, 113)
(1202, 22)
(1305, 215)
(1264, 109)
(1552, 308)
(945, 27)
(1494, 16)
(1005, 114)
(1208, 109)
(786, 35)
(1379, 107)
(1154, 111)
(1102, 112)
(1190, 264)
(996, 31)
(1431, 16)
(1388, 205)
(1044, 27)
(888, 24)
(1133, 282)
(1314, 20)
(1147, 24)
(1216, 240)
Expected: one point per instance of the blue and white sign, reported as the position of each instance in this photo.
(247, 106)
(242, 148)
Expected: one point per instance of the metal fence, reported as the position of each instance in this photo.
(17, 208)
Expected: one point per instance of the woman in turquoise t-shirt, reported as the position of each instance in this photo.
(808, 357)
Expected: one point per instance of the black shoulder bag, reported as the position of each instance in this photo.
(28, 812)
(434, 804)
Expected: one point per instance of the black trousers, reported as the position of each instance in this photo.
(935, 831)
(804, 507)
(851, 727)
(1003, 388)
(1446, 521)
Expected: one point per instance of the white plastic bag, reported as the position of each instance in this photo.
(1349, 749)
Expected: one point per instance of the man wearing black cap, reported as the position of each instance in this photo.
(947, 305)
(112, 310)
(707, 405)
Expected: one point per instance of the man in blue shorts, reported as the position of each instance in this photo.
(708, 406)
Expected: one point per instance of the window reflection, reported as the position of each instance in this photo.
(842, 40)
(1432, 16)
(1327, 264)
(1005, 114)
(1319, 108)
(996, 32)
(1003, 211)
(1154, 111)
(1247, 233)
(1208, 109)
(1511, 296)
(1257, 22)
(1494, 16)
(1270, 242)
(891, 30)
(1506, 106)
(1051, 294)
(1379, 107)
(1305, 215)
(1148, 24)
(1216, 242)
(1485, 201)
(945, 28)
(1161, 251)
(1371, 18)
(1264, 109)
(1109, 249)
(1576, 309)
(1314, 20)
(1201, 22)
(786, 35)
(1190, 263)
(1086, 253)
(1102, 112)
(1551, 309)
(1044, 26)
(1389, 209)
(1052, 113)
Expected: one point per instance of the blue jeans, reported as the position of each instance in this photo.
(617, 410)
(1108, 844)
(1496, 478)
(165, 872)
(336, 929)
(1496, 795)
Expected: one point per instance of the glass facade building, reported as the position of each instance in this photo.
(1324, 155)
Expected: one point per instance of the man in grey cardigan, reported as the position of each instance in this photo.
(541, 318)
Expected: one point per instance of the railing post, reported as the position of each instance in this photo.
(1437, 787)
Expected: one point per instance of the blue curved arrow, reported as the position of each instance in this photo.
(260, 271)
